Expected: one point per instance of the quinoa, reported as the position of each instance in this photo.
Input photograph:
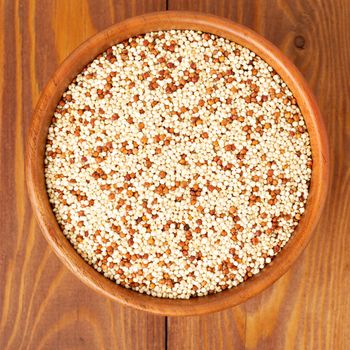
(178, 163)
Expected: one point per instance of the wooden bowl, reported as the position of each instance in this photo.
(36, 152)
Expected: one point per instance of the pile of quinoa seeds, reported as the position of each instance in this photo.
(178, 164)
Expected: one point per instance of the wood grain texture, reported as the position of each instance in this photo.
(309, 307)
(42, 305)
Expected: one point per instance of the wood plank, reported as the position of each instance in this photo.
(42, 305)
(308, 308)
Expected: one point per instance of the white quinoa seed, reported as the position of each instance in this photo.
(178, 164)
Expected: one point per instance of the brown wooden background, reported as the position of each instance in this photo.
(43, 306)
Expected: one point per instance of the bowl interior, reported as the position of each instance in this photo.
(85, 54)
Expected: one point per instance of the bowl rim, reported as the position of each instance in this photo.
(74, 63)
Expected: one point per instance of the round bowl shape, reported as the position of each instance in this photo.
(36, 153)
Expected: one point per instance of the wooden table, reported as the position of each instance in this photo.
(43, 306)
